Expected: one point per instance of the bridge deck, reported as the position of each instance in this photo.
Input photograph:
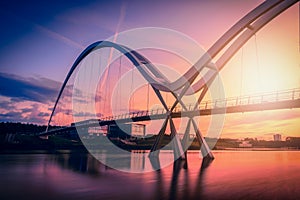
(272, 101)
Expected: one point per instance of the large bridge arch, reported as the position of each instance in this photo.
(137, 60)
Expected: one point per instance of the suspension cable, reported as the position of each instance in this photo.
(241, 80)
(107, 88)
(167, 98)
(85, 79)
(100, 84)
(148, 97)
(120, 85)
(131, 89)
(257, 62)
(91, 68)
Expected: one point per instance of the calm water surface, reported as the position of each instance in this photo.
(232, 175)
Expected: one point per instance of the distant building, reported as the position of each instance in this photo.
(138, 130)
(127, 130)
(292, 139)
(277, 137)
(293, 142)
(245, 144)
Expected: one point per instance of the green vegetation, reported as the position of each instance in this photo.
(13, 128)
(18, 136)
(223, 143)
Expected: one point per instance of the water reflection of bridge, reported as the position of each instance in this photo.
(71, 175)
(167, 182)
(191, 83)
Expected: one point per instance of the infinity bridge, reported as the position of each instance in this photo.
(285, 99)
(268, 101)
(188, 84)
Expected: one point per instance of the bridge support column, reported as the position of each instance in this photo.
(154, 151)
(176, 142)
(186, 137)
(205, 150)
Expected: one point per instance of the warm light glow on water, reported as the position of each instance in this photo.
(232, 175)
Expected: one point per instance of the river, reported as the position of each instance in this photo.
(231, 175)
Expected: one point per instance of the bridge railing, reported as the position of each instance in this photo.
(286, 95)
(292, 94)
(251, 99)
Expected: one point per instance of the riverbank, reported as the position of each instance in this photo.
(54, 143)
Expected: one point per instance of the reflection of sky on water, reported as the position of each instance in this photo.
(234, 175)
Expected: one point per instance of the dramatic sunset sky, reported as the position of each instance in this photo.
(41, 40)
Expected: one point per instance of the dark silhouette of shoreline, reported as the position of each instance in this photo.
(20, 137)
